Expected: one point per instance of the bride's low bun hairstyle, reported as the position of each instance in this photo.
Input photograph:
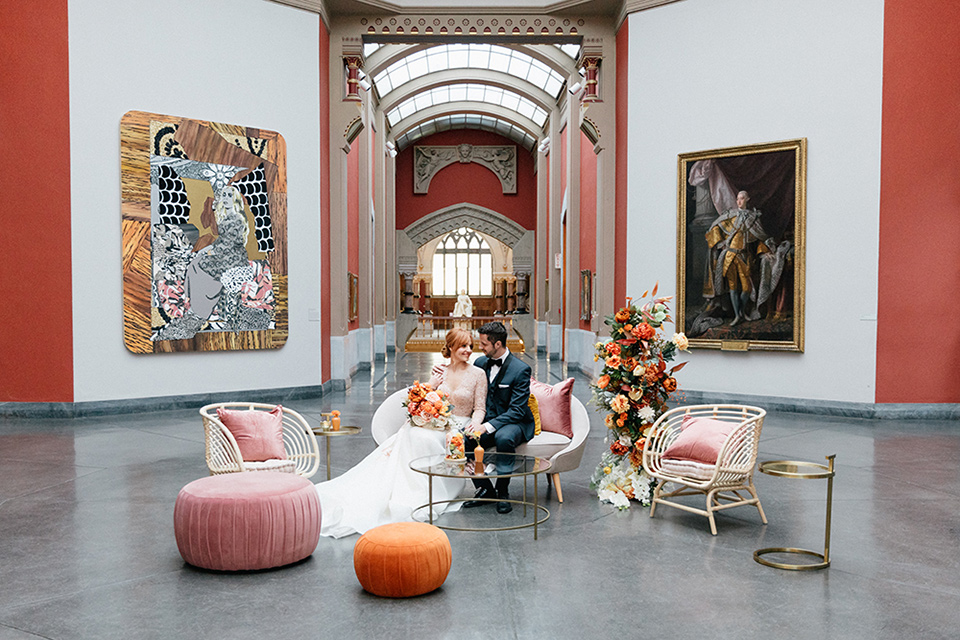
(456, 338)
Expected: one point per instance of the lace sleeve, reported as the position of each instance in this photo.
(479, 397)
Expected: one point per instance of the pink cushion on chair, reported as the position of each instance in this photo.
(242, 521)
(554, 404)
(259, 434)
(700, 439)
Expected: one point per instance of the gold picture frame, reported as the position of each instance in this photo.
(740, 258)
(353, 286)
(586, 295)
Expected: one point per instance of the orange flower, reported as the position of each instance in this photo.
(617, 448)
(603, 381)
(622, 420)
(623, 315)
(636, 457)
(644, 331)
(628, 363)
(613, 348)
(609, 419)
(613, 362)
(627, 328)
(670, 384)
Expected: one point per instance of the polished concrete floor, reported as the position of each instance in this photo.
(87, 547)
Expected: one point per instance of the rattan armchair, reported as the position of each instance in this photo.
(729, 482)
(223, 454)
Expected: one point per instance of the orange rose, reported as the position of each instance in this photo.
(613, 362)
(670, 385)
(613, 348)
(622, 420)
(617, 448)
(627, 328)
(644, 331)
(628, 363)
(603, 381)
(623, 315)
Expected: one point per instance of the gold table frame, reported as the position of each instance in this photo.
(327, 433)
(541, 465)
(801, 471)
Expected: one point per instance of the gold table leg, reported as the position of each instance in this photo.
(327, 447)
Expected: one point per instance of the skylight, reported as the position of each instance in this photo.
(472, 56)
(467, 92)
(467, 121)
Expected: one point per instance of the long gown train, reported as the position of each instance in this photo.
(383, 488)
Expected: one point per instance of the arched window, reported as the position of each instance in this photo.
(462, 262)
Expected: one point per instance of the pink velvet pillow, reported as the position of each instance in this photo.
(259, 434)
(554, 404)
(700, 439)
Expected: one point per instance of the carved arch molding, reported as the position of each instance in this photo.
(428, 160)
(465, 214)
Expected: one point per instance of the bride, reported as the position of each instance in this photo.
(383, 488)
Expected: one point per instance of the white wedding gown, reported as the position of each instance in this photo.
(382, 488)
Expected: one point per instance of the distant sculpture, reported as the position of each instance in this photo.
(464, 306)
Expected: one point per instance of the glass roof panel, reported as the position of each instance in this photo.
(467, 121)
(474, 56)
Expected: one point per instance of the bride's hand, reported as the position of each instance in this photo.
(436, 375)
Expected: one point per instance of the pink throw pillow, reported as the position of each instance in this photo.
(554, 404)
(700, 439)
(259, 434)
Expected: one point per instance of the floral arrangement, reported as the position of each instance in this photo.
(633, 389)
(456, 446)
(427, 408)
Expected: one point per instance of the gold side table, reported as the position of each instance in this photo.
(328, 433)
(801, 471)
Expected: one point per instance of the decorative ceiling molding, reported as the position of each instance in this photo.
(451, 108)
(429, 160)
(474, 216)
(633, 6)
(498, 8)
(313, 6)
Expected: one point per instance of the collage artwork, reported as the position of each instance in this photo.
(204, 214)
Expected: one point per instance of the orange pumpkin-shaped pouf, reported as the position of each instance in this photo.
(403, 559)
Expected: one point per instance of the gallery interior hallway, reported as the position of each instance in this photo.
(87, 547)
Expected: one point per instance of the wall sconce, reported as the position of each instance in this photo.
(575, 88)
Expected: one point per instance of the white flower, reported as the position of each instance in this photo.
(681, 341)
(625, 440)
(616, 498)
(638, 370)
(646, 414)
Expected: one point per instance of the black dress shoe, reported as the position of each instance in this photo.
(504, 507)
(482, 492)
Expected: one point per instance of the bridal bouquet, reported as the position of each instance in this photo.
(633, 389)
(427, 408)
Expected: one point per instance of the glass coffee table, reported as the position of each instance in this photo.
(511, 464)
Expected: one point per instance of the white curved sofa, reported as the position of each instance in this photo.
(564, 453)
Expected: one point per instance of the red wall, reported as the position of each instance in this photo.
(324, 202)
(36, 316)
(588, 213)
(468, 182)
(918, 331)
(353, 219)
(620, 193)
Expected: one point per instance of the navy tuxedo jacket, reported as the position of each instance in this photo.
(508, 394)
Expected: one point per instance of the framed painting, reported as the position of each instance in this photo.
(741, 215)
(353, 284)
(204, 208)
(586, 295)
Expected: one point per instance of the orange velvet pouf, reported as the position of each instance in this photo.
(403, 559)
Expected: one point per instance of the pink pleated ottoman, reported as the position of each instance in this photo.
(242, 521)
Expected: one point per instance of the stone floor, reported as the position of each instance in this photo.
(87, 547)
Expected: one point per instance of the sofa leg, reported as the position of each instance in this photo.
(556, 485)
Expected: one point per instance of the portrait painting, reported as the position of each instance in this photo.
(741, 214)
(204, 235)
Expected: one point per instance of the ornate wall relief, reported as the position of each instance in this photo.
(428, 160)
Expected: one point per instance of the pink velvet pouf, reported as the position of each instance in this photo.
(243, 521)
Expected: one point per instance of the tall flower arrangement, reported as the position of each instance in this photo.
(632, 390)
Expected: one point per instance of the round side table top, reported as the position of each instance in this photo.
(342, 431)
(796, 469)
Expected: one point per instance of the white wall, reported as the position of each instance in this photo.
(706, 74)
(246, 62)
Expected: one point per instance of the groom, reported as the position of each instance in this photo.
(509, 421)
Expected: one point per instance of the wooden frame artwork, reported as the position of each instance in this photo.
(353, 284)
(741, 216)
(586, 295)
(204, 209)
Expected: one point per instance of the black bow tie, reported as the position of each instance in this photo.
(496, 362)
